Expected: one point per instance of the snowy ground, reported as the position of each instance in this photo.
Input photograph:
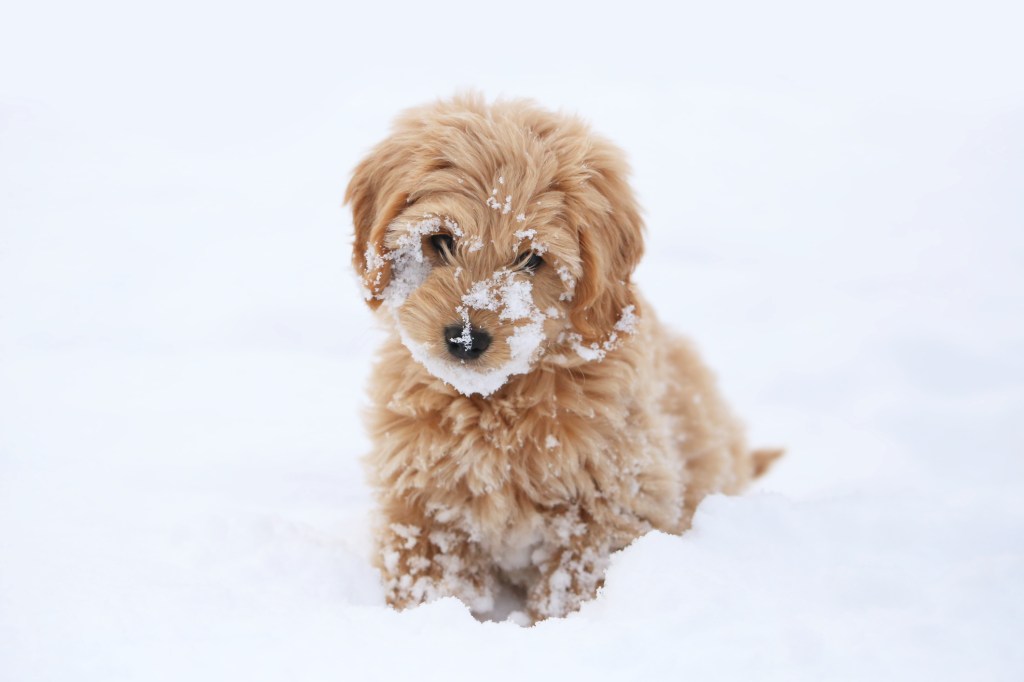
(835, 211)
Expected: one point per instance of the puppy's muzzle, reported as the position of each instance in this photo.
(466, 349)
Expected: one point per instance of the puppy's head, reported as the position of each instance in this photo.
(496, 234)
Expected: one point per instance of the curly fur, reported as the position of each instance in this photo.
(613, 428)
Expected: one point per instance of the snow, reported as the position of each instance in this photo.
(833, 210)
(493, 203)
(596, 351)
(536, 246)
(409, 267)
(568, 281)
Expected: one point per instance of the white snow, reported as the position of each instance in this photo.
(452, 226)
(466, 337)
(495, 204)
(568, 281)
(409, 267)
(536, 246)
(627, 322)
(596, 351)
(833, 209)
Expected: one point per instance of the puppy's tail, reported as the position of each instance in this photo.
(764, 458)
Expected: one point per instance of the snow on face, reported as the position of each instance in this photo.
(507, 293)
(568, 281)
(536, 246)
(510, 295)
(409, 268)
(493, 202)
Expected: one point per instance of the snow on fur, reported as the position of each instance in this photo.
(409, 267)
(597, 350)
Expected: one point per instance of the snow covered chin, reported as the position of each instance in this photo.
(524, 342)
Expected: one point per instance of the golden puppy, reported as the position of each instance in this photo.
(530, 415)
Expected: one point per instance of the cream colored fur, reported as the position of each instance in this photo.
(612, 430)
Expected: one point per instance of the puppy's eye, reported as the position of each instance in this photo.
(444, 245)
(530, 261)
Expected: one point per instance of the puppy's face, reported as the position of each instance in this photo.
(495, 236)
(477, 295)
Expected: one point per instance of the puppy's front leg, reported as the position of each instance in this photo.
(421, 560)
(570, 576)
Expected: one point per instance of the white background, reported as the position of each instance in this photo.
(835, 206)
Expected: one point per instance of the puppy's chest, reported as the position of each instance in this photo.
(515, 448)
(539, 455)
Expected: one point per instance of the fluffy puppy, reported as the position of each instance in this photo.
(529, 413)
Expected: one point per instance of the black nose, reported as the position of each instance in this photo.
(463, 348)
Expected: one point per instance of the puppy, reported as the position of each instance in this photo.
(529, 413)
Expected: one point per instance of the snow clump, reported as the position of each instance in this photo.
(626, 324)
(409, 268)
(505, 208)
(537, 247)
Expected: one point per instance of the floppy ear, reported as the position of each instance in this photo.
(610, 233)
(376, 196)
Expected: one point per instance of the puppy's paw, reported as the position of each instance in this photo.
(419, 566)
(571, 578)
